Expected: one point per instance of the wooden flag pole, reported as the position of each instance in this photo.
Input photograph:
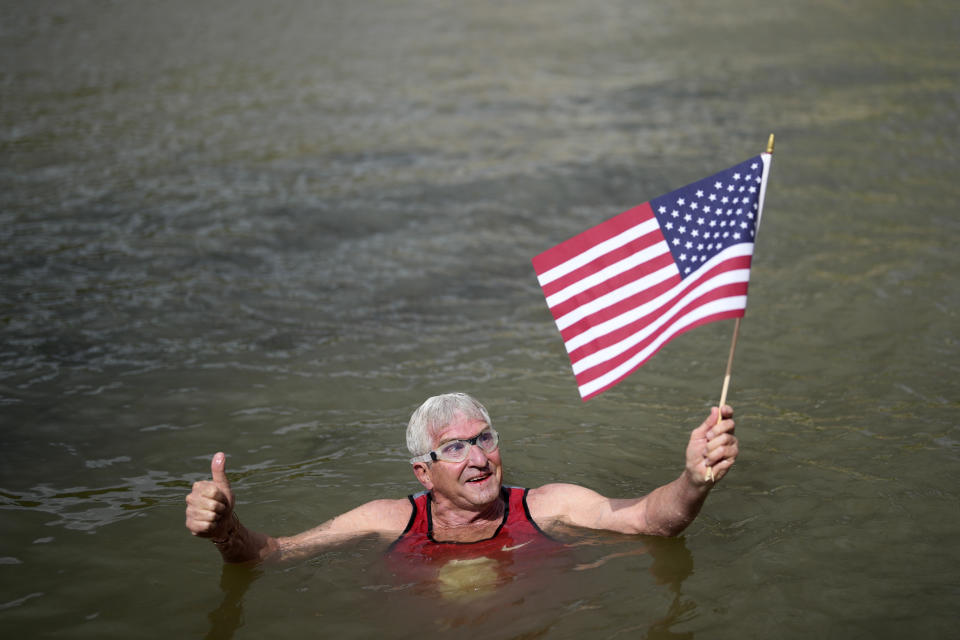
(733, 348)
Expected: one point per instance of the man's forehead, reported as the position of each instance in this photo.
(460, 427)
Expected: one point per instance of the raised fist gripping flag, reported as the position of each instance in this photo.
(623, 289)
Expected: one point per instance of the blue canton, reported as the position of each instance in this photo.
(702, 219)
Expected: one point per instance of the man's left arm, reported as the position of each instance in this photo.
(667, 510)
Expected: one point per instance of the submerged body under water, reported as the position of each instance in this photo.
(474, 593)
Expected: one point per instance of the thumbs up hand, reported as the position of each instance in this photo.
(210, 503)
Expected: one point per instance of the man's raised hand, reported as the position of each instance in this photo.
(713, 447)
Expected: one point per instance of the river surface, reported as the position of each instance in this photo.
(273, 229)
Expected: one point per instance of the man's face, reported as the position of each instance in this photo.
(471, 484)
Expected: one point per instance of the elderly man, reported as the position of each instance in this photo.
(456, 458)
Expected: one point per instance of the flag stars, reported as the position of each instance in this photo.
(701, 220)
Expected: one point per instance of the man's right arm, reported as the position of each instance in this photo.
(210, 514)
(665, 511)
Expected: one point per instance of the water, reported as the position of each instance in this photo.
(274, 230)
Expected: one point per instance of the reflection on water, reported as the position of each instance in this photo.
(475, 595)
(235, 581)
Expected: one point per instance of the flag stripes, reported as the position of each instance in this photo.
(616, 291)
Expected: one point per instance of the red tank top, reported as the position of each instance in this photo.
(517, 530)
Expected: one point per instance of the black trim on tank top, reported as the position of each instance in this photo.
(504, 495)
(526, 512)
(413, 518)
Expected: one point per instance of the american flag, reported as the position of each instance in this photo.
(623, 289)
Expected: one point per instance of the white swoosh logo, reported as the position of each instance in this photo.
(516, 546)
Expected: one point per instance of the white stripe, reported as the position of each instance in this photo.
(606, 273)
(598, 357)
(632, 315)
(717, 306)
(593, 252)
(767, 159)
(615, 296)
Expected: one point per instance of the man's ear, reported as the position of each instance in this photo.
(422, 471)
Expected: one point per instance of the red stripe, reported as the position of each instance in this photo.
(583, 241)
(603, 288)
(581, 379)
(610, 339)
(605, 260)
(608, 313)
(621, 307)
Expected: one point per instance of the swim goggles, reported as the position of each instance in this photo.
(458, 450)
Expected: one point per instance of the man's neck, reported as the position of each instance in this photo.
(447, 515)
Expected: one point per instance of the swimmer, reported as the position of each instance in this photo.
(465, 508)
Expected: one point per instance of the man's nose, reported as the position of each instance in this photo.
(477, 456)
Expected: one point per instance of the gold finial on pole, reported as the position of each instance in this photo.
(770, 144)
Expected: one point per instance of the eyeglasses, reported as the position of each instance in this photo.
(458, 450)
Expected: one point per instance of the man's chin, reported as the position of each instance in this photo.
(485, 490)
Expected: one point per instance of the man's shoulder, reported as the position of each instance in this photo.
(551, 500)
(392, 507)
(555, 489)
(387, 515)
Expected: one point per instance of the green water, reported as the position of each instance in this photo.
(275, 229)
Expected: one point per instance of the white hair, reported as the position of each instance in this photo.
(436, 413)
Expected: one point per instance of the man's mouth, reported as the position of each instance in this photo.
(479, 478)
